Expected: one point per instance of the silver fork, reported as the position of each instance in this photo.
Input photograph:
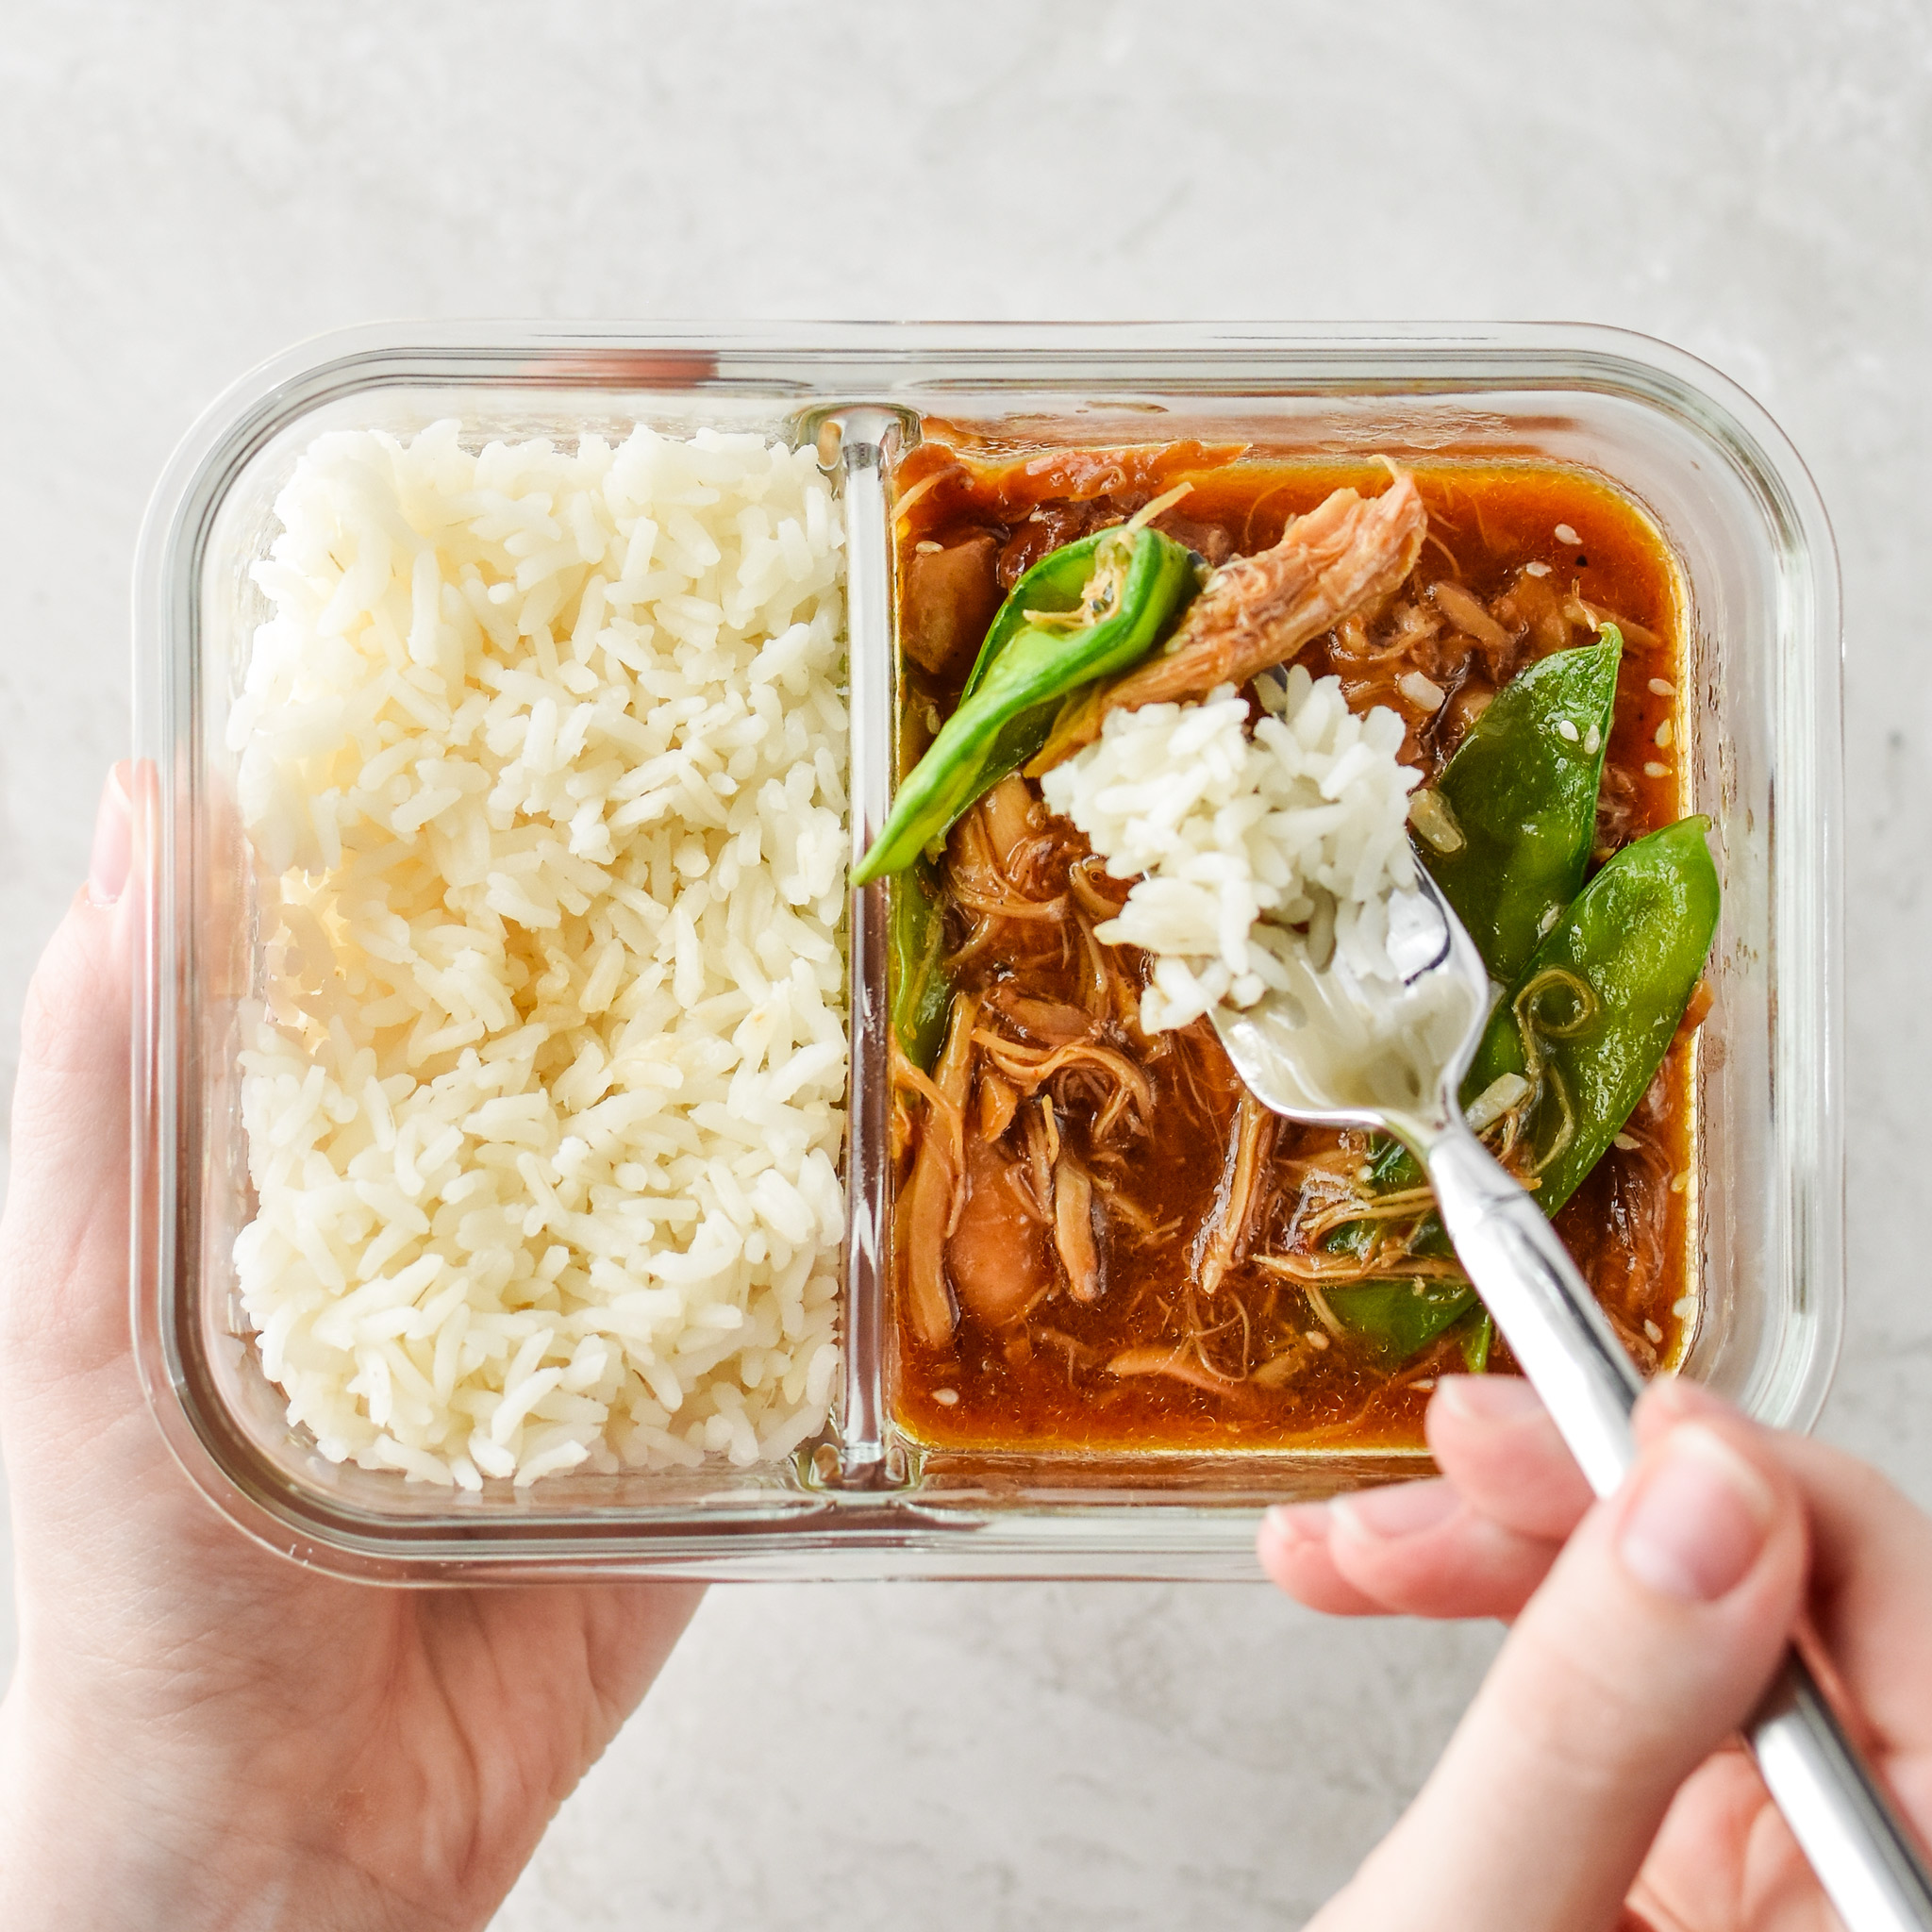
(1338, 1050)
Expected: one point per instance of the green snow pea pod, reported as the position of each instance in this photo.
(922, 989)
(1589, 1022)
(1084, 613)
(1506, 830)
(1399, 1319)
(1596, 1009)
(1056, 582)
(1477, 1338)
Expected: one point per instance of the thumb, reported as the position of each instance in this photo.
(64, 1240)
(1647, 1645)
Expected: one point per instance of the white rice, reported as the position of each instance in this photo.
(1303, 821)
(542, 756)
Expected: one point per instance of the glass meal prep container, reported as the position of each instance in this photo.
(1760, 751)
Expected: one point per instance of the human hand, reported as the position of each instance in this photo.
(198, 1732)
(1598, 1763)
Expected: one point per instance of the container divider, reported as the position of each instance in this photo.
(857, 444)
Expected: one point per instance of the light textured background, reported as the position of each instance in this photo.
(186, 189)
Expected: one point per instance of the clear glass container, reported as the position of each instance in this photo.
(1761, 757)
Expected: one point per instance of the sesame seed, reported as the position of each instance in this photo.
(945, 1396)
(1625, 1143)
(1538, 569)
(1426, 1386)
(1651, 1330)
(1684, 1307)
(1653, 770)
(1663, 734)
(1364, 1174)
(927, 547)
(1567, 731)
(1679, 1182)
(1315, 1338)
(1662, 688)
(1566, 535)
(1593, 741)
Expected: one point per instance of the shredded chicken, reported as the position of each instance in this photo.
(1092, 891)
(1347, 556)
(1281, 1367)
(977, 853)
(1073, 1229)
(1467, 613)
(1108, 993)
(1042, 1138)
(1531, 605)
(1030, 1067)
(1181, 1362)
(1007, 904)
(1052, 1021)
(929, 1206)
(1007, 809)
(1315, 1271)
(920, 1223)
(997, 1257)
(998, 1103)
(1223, 1236)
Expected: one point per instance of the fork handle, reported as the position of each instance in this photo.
(1545, 1311)
(1865, 1855)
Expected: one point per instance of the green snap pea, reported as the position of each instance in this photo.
(1634, 942)
(1056, 582)
(1590, 1020)
(922, 989)
(1510, 835)
(1477, 1338)
(1600, 1001)
(1506, 830)
(1399, 1319)
(1114, 595)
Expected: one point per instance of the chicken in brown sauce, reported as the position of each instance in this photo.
(1100, 1239)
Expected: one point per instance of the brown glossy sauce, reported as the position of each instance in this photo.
(1045, 1382)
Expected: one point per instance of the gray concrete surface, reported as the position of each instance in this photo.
(185, 190)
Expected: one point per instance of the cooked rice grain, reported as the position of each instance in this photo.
(1304, 822)
(542, 756)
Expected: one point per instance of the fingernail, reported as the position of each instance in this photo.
(1401, 1510)
(1489, 1398)
(1699, 1518)
(106, 870)
(1295, 1523)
